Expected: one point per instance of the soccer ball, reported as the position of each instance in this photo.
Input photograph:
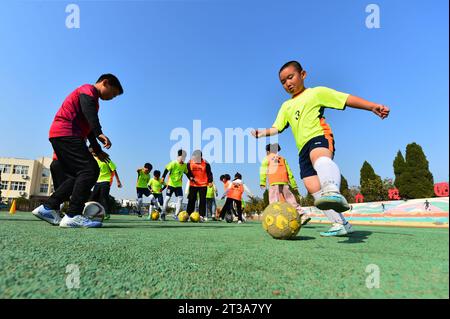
(94, 211)
(195, 217)
(281, 220)
(155, 215)
(183, 216)
(229, 217)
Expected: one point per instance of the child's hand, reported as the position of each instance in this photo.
(119, 185)
(104, 157)
(381, 110)
(256, 133)
(105, 140)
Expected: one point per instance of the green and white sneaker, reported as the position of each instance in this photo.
(332, 200)
(338, 230)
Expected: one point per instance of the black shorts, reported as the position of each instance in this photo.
(178, 191)
(306, 167)
(142, 191)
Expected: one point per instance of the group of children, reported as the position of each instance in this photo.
(200, 188)
(77, 121)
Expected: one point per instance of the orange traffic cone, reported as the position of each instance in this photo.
(12, 210)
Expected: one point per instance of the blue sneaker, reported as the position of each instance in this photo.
(338, 230)
(332, 200)
(79, 221)
(51, 216)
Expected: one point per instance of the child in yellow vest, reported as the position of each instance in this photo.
(275, 168)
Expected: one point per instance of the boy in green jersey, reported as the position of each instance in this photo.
(175, 169)
(315, 141)
(211, 205)
(141, 185)
(156, 186)
(102, 187)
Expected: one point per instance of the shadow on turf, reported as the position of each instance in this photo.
(357, 237)
(303, 238)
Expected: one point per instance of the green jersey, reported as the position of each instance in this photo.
(143, 179)
(176, 171)
(156, 185)
(106, 170)
(211, 191)
(304, 113)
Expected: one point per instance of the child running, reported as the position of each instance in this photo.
(142, 185)
(315, 141)
(277, 170)
(175, 169)
(234, 194)
(156, 186)
(100, 193)
(75, 121)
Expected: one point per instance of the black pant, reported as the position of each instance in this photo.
(58, 175)
(100, 194)
(228, 206)
(192, 198)
(81, 171)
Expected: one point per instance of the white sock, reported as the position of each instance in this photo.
(166, 203)
(178, 205)
(337, 218)
(328, 173)
(139, 204)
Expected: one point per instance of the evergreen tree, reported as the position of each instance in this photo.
(371, 184)
(416, 180)
(399, 168)
(345, 191)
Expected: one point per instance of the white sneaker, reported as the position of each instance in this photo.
(349, 228)
(79, 221)
(239, 222)
(338, 230)
(51, 216)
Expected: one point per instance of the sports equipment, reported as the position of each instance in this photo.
(281, 220)
(94, 211)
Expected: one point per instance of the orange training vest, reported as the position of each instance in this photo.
(277, 171)
(199, 172)
(236, 191)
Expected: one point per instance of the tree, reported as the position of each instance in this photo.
(416, 180)
(345, 191)
(371, 184)
(399, 168)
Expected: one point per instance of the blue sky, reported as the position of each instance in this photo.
(217, 61)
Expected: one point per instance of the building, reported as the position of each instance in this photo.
(30, 179)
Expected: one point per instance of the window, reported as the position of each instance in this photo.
(43, 188)
(4, 185)
(20, 169)
(17, 186)
(5, 168)
(45, 172)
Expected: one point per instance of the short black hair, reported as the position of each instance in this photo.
(157, 173)
(296, 64)
(181, 152)
(148, 166)
(237, 176)
(227, 176)
(272, 148)
(112, 80)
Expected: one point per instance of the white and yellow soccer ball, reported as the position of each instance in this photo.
(94, 211)
(281, 220)
(183, 216)
(154, 215)
(195, 217)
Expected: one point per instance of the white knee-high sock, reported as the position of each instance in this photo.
(328, 173)
(178, 205)
(166, 203)
(139, 204)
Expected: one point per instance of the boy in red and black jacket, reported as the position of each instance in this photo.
(76, 121)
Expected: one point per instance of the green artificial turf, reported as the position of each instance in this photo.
(137, 258)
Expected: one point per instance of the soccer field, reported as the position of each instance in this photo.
(137, 258)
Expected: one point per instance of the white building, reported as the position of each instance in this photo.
(25, 178)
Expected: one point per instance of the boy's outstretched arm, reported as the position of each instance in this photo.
(358, 103)
(265, 132)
